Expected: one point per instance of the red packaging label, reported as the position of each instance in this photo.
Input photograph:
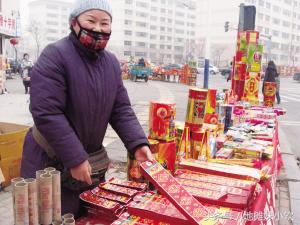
(118, 190)
(110, 196)
(130, 184)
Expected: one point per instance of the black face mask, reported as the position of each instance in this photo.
(93, 40)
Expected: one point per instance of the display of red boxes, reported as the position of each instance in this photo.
(161, 121)
(174, 192)
(127, 219)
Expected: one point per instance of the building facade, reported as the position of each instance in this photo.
(48, 22)
(163, 31)
(281, 20)
(275, 19)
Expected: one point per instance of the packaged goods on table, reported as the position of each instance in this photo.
(196, 108)
(161, 121)
(234, 171)
(269, 93)
(171, 189)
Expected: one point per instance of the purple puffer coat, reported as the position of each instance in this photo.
(74, 95)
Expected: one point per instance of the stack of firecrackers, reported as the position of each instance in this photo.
(247, 69)
(38, 201)
(189, 74)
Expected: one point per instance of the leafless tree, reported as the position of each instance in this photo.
(217, 53)
(37, 32)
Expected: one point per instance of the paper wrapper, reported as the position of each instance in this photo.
(196, 108)
(167, 155)
(69, 222)
(269, 94)
(33, 202)
(56, 191)
(49, 169)
(129, 184)
(233, 171)
(161, 121)
(154, 207)
(224, 153)
(254, 58)
(211, 102)
(46, 198)
(21, 203)
(37, 176)
(13, 182)
(174, 192)
(251, 88)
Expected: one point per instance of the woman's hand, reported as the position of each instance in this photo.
(143, 154)
(82, 172)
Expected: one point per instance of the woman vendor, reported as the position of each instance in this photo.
(76, 91)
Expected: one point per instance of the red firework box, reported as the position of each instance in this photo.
(220, 141)
(233, 171)
(211, 103)
(197, 141)
(193, 210)
(153, 206)
(251, 88)
(161, 121)
(130, 184)
(196, 108)
(269, 94)
(99, 204)
(118, 189)
(211, 118)
(167, 155)
(218, 198)
(207, 178)
(110, 196)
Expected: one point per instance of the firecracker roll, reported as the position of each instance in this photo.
(21, 203)
(197, 141)
(13, 182)
(269, 93)
(56, 193)
(196, 108)
(69, 222)
(38, 174)
(49, 169)
(33, 201)
(161, 121)
(167, 155)
(46, 198)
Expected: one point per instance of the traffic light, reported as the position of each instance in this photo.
(226, 26)
(247, 17)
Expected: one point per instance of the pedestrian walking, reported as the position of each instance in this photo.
(26, 71)
(76, 91)
(277, 80)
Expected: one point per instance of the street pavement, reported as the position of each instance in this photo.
(14, 108)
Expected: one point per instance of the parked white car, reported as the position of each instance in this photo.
(212, 69)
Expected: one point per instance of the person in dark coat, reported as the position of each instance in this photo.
(271, 75)
(76, 91)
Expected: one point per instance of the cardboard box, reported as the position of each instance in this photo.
(11, 148)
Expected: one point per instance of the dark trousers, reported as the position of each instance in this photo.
(278, 97)
(26, 84)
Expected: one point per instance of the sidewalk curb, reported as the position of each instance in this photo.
(293, 177)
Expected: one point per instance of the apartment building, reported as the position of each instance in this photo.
(50, 18)
(163, 31)
(281, 20)
(278, 19)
